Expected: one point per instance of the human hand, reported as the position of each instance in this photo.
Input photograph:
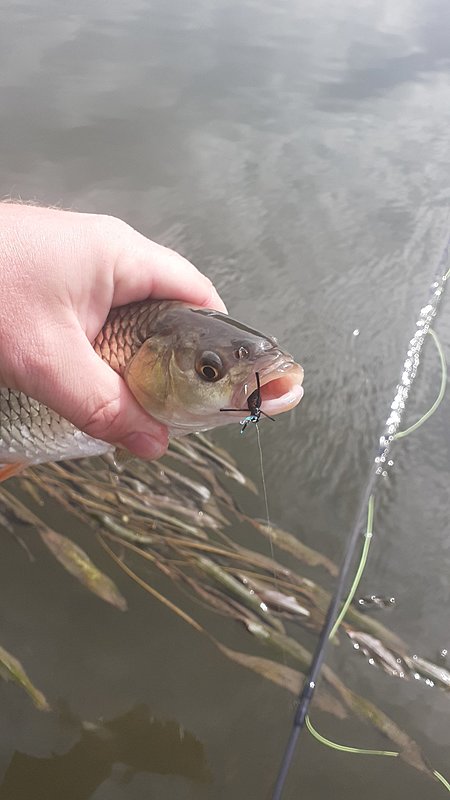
(60, 274)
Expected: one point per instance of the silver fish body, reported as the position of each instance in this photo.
(32, 433)
(183, 364)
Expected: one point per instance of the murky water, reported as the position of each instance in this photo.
(297, 153)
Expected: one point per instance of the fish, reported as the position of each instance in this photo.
(183, 363)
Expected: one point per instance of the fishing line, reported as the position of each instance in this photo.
(441, 778)
(362, 564)
(439, 398)
(343, 747)
(379, 468)
(264, 487)
(255, 412)
(269, 524)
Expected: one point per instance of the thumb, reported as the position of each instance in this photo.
(86, 391)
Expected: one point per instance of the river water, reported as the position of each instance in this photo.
(298, 153)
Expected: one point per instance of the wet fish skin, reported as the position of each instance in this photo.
(163, 350)
(32, 433)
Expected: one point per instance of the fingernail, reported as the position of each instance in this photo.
(144, 445)
(217, 302)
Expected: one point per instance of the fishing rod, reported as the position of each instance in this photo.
(379, 468)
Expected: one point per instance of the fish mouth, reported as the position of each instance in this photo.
(281, 387)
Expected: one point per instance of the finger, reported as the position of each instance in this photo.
(82, 388)
(147, 269)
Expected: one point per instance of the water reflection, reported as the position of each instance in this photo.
(298, 153)
(390, 48)
(135, 741)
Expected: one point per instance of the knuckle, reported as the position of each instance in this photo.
(30, 365)
(115, 239)
(110, 226)
(104, 420)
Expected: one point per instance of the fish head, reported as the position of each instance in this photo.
(198, 368)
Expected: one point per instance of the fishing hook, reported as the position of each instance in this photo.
(254, 401)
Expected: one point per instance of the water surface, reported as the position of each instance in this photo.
(298, 154)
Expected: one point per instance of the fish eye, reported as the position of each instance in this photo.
(210, 367)
(242, 352)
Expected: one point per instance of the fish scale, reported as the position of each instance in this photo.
(31, 432)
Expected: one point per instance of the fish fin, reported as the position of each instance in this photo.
(122, 457)
(9, 470)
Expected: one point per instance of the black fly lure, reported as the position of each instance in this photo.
(253, 406)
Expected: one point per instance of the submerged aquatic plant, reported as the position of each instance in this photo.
(179, 517)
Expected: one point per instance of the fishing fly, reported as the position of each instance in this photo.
(254, 401)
